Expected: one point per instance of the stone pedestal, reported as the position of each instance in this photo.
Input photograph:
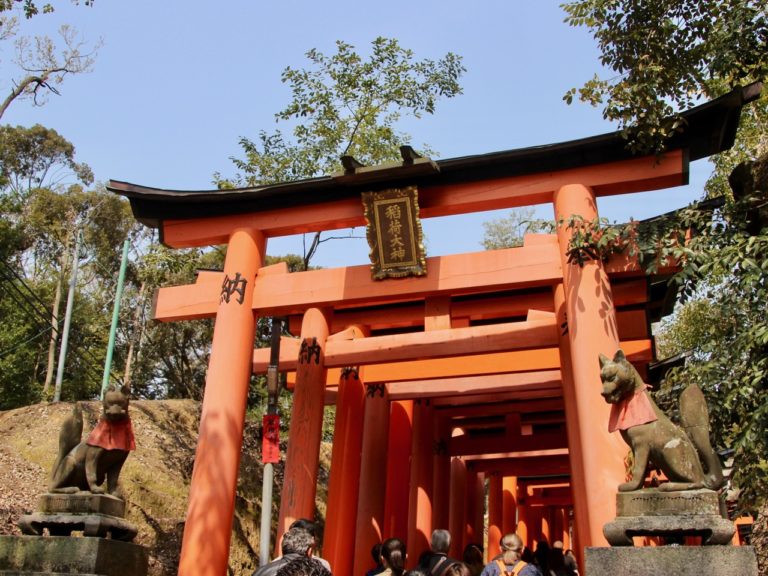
(66, 555)
(652, 513)
(677, 560)
(98, 515)
(103, 550)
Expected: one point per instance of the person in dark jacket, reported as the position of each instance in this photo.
(436, 562)
(297, 543)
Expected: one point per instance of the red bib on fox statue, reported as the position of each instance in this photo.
(631, 411)
(113, 435)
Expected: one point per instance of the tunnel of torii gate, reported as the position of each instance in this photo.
(480, 375)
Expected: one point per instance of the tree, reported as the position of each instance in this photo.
(42, 64)
(345, 105)
(666, 56)
(509, 232)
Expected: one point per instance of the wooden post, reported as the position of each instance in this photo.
(441, 480)
(591, 327)
(208, 527)
(398, 469)
(301, 463)
(509, 484)
(495, 514)
(373, 475)
(420, 501)
(345, 473)
(457, 512)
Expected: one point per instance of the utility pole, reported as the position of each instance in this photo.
(270, 447)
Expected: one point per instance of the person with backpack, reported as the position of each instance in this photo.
(511, 562)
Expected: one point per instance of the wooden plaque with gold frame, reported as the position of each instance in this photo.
(394, 233)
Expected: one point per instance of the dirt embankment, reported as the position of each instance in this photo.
(154, 480)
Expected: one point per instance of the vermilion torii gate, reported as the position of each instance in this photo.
(484, 368)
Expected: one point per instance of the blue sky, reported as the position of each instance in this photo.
(176, 83)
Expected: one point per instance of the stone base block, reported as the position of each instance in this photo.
(677, 560)
(97, 525)
(713, 530)
(81, 503)
(63, 555)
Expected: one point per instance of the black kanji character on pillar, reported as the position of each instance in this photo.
(232, 285)
(309, 348)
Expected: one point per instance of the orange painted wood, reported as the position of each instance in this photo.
(284, 294)
(509, 502)
(474, 529)
(523, 465)
(437, 313)
(420, 499)
(636, 175)
(345, 474)
(468, 445)
(205, 545)
(456, 274)
(398, 469)
(573, 428)
(441, 464)
(493, 384)
(301, 464)
(543, 359)
(457, 511)
(434, 344)
(591, 330)
(373, 475)
(495, 514)
(441, 343)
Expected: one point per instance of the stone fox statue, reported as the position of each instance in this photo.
(653, 437)
(83, 466)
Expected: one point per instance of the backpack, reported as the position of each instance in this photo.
(515, 571)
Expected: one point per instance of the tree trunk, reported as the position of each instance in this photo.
(137, 331)
(51, 369)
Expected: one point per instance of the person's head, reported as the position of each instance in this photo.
(303, 566)
(441, 541)
(376, 553)
(473, 555)
(511, 548)
(393, 555)
(415, 572)
(305, 524)
(297, 541)
(558, 545)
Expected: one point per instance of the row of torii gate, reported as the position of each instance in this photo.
(480, 375)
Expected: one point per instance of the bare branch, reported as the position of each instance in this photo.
(46, 65)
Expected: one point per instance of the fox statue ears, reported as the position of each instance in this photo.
(125, 390)
(618, 357)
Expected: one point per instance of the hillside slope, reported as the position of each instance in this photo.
(155, 478)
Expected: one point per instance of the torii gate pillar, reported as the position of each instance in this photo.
(591, 326)
(208, 528)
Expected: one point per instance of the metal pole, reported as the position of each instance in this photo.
(115, 315)
(268, 474)
(67, 319)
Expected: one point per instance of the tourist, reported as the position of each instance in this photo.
(376, 555)
(436, 562)
(311, 527)
(511, 562)
(297, 543)
(473, 558)
(303, 566)
(393, 557)
(570, 563)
